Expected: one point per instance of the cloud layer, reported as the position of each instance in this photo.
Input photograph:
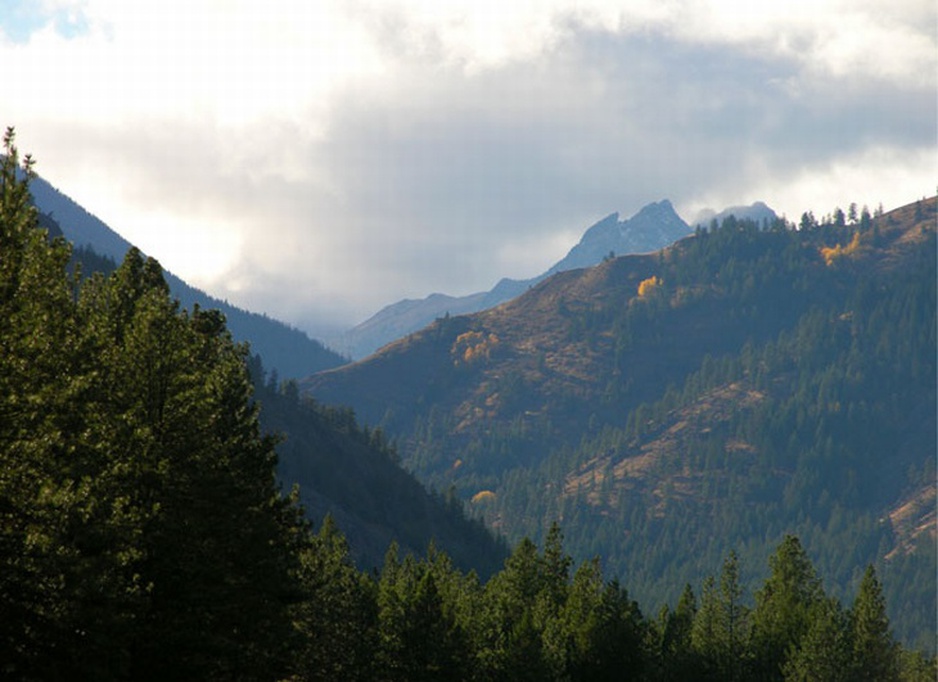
(319, 160)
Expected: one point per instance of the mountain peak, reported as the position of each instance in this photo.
(757, 212)
(655, 226)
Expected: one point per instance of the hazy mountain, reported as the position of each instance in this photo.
(284, 348)
(667, 408)
(757, 212)
(654, 227)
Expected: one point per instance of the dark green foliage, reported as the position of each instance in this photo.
(823, 653)
(143, 534)
(338, 621)
(785, 607)
(875, 655)
(353, 474)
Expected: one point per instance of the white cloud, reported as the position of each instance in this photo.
(325, 158)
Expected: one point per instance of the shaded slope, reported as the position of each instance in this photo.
(340, 469)
(354, 475)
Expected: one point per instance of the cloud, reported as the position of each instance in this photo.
(319, 160)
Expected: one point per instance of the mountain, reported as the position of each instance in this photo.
(667, 408)
(654, 227)
(757, 213)
(342, 470)
(284, 348)
(354, 475)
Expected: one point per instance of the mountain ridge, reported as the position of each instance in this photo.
(284, 348)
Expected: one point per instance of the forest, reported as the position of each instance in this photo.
(144, 533)
(751, 381)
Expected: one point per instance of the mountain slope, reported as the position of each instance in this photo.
(652, 228)
(341, 469)
(354, 475)
(288, 350)
(670, 407)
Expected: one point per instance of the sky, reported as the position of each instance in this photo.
(319, 160)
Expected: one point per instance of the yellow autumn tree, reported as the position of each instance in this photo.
(832, 253)
(472, 346)
(646, 286)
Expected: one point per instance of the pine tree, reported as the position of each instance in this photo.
(676, 657)
(338, 619)
(62, 548)
(142, 531)
(823, 655)
(875, 654)
(784, 607)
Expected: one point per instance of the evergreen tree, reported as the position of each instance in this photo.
(676, 659)
(875, 655)
(509, 641)
(338, 620)
(784, 607)
(823, 655)
(142, 532)
(419, 638)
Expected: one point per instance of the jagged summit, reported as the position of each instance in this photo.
(655, 226)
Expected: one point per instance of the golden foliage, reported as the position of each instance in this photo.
(830, 254)
(483, 496)
(473, 346)
(646, 286)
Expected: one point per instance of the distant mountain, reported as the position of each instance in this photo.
(667, 408)
(654, 227)
(283, 348)
(758, 213)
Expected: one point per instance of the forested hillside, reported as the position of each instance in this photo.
(354, 475)
(143, 535)
(666, 409)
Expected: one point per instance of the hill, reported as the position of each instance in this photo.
(284, 348)
(667, 408)
(342, 470)
(653, 227)
(353, 474)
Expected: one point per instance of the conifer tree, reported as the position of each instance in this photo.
(823, 654)
(875, 654)
(784, 607)
(675, 651)
(142, 531)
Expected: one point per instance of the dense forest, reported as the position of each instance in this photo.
(353, 474)
(751, 381)
(143, 534)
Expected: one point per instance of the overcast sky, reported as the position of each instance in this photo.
(318, 160)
